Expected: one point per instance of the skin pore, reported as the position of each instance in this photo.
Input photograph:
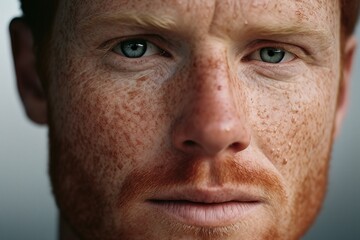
(200, 117)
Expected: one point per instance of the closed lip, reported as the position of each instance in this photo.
(207, 207)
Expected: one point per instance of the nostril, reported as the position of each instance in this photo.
(237, 146)
(189, 143)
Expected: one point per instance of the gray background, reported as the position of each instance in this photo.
(27, 210)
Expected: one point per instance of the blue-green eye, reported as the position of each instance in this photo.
(136, 48)
(272, 55)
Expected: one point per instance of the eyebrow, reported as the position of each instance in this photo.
(163, 22)
(321, 36)
(142, 20)
(299, 29)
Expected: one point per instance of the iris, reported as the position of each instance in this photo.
(134, 48)
(272, 55)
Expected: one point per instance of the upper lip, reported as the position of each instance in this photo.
(210, 195)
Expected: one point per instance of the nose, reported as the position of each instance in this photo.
(213, 119)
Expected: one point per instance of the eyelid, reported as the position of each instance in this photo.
(108, 46)
(255, 46)
(151, 49)
(256, 55)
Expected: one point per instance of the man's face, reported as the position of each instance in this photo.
(192, 119)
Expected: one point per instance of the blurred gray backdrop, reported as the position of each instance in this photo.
(27, 210)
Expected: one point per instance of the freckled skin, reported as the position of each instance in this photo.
(118, 137)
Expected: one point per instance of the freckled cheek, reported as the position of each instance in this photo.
(294, 127)
(108, 127)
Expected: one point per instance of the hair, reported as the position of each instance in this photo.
(39, 15)
(350, 10)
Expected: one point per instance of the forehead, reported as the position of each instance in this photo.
(187, 5)
(186, 11)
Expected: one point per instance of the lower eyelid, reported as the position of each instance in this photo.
(255, 56)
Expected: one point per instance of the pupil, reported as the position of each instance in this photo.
(134, 48)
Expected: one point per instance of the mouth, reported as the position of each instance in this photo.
(207, 208)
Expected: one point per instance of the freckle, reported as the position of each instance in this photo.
(133, 94)
(275, 129)
(294, 109)
(219, 88)
(142, 79)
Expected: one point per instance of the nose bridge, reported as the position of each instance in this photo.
(212, 96)
(211, 122)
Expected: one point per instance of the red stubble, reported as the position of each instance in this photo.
(191, 172)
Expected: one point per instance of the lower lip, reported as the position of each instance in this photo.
(206, 215)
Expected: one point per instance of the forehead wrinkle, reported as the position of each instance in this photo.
(144, 20)
(257, 16)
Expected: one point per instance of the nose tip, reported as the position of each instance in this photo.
(211, 138)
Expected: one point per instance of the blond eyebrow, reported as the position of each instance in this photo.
(323, 37)
(290, 30)
(142, 20)
(165, 22)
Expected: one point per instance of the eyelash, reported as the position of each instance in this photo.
(120, 46)
(291, 52)
(284, 57)
(254, 55)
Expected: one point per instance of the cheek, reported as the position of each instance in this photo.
(100, 131)
(105, 124)
(293, 127)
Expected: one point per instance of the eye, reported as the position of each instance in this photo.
(272, 55)
(136, 48)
